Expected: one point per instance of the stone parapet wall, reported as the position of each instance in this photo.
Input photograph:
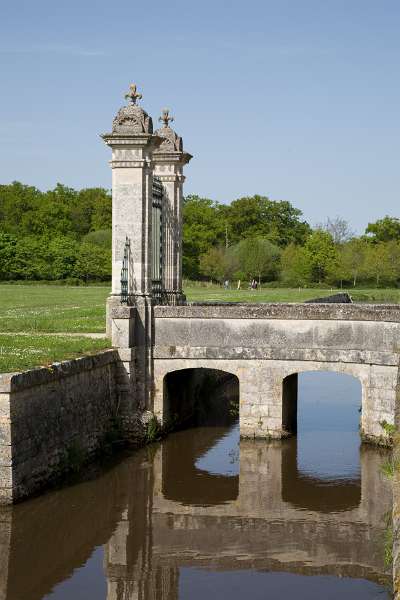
(53, 419)
(287, 311)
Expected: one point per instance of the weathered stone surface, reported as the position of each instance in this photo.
(287, 311)
(51, 419)
(264, 344)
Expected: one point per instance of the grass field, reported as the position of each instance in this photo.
(39, 310)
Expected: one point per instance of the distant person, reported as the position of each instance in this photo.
(239, 284)
(226, 284)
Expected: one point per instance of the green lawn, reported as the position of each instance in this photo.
(18, 353)
(197, 293)
(38, 310)
(47, 308)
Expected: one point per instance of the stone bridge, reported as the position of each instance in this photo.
(265, 346)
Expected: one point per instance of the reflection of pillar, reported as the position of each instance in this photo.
(132, 143)
(260, 478)
(376, 490)
(169, 160)
(133, 570)
(5, 542)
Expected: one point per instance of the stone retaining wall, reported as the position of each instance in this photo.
(52, 419)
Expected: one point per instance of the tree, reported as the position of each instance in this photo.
(258, 257)
(8, 245)
(101, 237)
(295, 266)
(350, 263)
(203, 227)
(384, 230)
(338, 228)
(93, 263)
(258, 216)
(377, 263)
(321, 254)
(62, 254)
(213, 263)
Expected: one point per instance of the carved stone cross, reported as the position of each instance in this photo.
(165, 118)
(133, 94)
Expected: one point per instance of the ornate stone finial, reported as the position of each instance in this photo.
(165, 118)
(133, 94)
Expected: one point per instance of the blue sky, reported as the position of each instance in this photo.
(295, 99)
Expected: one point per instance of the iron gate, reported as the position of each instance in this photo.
(157, 237)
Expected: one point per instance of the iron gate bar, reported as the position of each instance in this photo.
(125, 273)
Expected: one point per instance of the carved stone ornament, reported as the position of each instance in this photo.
(132, 119)
(171, 140)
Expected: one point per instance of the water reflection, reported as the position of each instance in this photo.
(189, 518)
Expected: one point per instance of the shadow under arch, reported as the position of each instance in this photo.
(198, 397)
(303, 490)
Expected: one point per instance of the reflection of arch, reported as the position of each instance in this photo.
(307, 492)
(183, 482)
(301, 489)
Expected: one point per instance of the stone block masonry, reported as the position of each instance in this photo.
(53, 419)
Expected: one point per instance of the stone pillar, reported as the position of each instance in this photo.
(169, 160)
(132, 143)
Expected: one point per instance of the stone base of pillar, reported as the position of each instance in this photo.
(113, 301)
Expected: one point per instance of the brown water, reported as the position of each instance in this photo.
(202, 516)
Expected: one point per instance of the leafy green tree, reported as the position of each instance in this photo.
(8, 245)
(384, 230)
(350, 262)
(295, 266)
(377, 265)
(203, 228)
(101, 237)
(258, 257)
(258, 216)
(213, 263)
(61, 255)
(321, 254)
(93, 263)
(32, 259)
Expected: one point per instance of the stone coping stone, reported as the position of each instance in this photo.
(122, 312)
(295, 311)
(14, 382)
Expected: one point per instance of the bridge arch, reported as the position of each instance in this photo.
(261, 388)
(200, 395)
(290, 385)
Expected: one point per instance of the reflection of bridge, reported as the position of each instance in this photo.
(253, 529)
(151, 527)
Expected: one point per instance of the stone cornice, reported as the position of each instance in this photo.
(171, 157)
(291, 311)
(115, 140)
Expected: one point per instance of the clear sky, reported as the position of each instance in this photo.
(294, 99)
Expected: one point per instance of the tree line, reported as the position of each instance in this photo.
(61, 234)
(255, 237)
(65, 234)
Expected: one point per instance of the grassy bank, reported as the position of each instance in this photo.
(18, 353)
